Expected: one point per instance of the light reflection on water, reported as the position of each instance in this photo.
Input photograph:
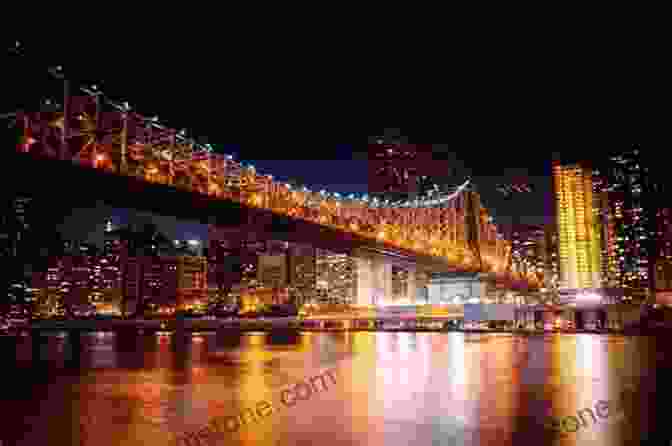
(392, 388)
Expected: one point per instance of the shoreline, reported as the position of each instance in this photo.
(292, 324)
(260, 327)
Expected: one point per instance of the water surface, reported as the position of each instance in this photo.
(391, 388)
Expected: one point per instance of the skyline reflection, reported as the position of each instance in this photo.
(394, 388)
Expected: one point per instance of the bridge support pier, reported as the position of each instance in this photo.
(364, 273)
(411, 285)
(374, 281)
(457, 288)
(383, 281)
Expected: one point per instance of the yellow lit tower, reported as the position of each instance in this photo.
(578, 227)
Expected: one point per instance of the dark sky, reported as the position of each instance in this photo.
(308, 116)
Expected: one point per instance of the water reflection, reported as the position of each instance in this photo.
(392, 388)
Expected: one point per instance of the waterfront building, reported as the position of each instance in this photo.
(336, 280)
(578, 228)
(635, 209)
(623, 178)
(528, 249)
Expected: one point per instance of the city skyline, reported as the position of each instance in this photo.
(480, 253)
(445, 164)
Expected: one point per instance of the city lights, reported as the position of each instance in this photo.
(162, 155)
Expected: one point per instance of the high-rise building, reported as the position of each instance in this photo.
(629, 213)
(578, 227)
(302, 274)
(393, 171)
(608, 239)
(16, 251)
(81, 280)
(662, 262)
(551, 261)
(239, 260)
(528, 249)
(336, 280)
(402, 171)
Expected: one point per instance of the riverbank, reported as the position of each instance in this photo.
(425, 324)
(280, 324)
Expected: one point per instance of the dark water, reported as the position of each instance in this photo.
(386, 388)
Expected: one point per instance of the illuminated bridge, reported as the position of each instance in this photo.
(98, 147)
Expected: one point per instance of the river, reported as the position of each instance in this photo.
(103, 389)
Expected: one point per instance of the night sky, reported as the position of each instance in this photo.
(309, 118)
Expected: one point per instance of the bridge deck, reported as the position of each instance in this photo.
(61, 185)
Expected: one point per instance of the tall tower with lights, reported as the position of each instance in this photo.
(578, 227)
(393, 173)
(632, 208)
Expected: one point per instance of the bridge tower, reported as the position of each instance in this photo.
(472, 207)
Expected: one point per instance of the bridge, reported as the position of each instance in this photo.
(92, 148)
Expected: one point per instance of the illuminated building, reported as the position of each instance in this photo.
(607, 215)
(662, 271)
(393, 167)
(78, 281)
(639, 218)
(16, 238)
(551, 262)
(336, 279)
(634, 212)
(13, 226)
(234, 264)
(166, 281)
(399, 283)
(302, 273)
(528, 249)
(578, 227)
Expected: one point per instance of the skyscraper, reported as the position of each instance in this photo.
(578, 227)
(623, 178)
(528, 248)
(608, 240)
(393, 171)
